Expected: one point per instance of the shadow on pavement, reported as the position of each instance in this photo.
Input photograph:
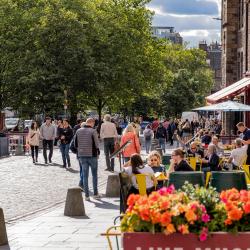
(76, 217)
(104, 204)
(71, 170)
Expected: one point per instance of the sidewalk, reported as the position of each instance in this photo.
(52, 230)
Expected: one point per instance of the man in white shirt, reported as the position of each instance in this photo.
(109, 134)
(238, 155)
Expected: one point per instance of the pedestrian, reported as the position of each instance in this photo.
(87, 145)
(47, 132)
(245, 139)
(161, 135)
(171, 128)
(65, 135)
(77, 126)
(108, 134)
(148, 135)
(155, 125)
(133, 147)
(57, 125)
(33, 140)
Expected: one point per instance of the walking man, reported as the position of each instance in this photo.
(48, 134)
(87, 145)
(109, 134)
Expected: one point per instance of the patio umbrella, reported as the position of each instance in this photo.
(228, 106)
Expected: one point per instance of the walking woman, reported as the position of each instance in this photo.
(134, 146)
(65, 135)
(33, 141)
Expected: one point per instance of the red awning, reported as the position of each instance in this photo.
(230, 91)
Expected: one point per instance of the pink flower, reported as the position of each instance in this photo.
(166, 190)
(203, 234)
(205, 218)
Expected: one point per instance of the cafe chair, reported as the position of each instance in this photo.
(208, 176)
(247, 172)
(178, 179)
(125, 185)
(222, 180)
(192, 161)
(141, 182)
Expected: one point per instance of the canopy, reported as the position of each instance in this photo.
(225, 106)
(230, 91)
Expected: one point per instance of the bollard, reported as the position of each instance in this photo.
(113, 186)
(3, 233)
(74, 203)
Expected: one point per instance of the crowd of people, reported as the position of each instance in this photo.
(199, 139)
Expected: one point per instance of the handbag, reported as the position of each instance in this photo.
(72, 146)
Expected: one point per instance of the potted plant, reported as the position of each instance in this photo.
(191, 218)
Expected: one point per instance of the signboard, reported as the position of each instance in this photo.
(177, 241)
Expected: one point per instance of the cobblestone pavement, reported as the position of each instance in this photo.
(26, 188)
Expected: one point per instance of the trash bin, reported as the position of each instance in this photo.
(4, 146)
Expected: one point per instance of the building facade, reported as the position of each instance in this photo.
(236, 44)
(167, 33)
(213, 52)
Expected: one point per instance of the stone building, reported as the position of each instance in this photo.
(235, 29)
(213, 52)
(167, 33)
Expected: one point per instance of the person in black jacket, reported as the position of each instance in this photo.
(211, 161)
(65, 135)
(161, 135)
(177, 162)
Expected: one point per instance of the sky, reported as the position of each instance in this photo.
(193, 19)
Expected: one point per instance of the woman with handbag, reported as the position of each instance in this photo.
(133, 147)
(33, 140)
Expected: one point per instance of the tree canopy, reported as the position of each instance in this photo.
(101, 52)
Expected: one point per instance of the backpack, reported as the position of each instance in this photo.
(147, 135)
(72, 146)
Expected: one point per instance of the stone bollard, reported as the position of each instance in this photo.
(113, 186)
(74, 203)
(3, 233)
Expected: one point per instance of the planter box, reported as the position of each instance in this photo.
(177, 241)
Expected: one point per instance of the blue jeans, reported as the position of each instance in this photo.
(162, 143)
(87, 162)
(81, 174)
(147, 145)
(65, 154)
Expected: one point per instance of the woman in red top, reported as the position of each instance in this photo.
(129, 134)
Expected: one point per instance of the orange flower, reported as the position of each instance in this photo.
(165, 218)
(132, 199)
(228, 222)
(170, 229)
(144, 213)
(190, 216)
(183, 229)
(235, 214)
(246, 207)
(155, 216)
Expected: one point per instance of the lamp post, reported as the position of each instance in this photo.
(65, 103)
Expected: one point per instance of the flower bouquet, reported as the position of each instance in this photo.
(167, 216)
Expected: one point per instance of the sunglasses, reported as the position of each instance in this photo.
(153, 159)
(173, 155)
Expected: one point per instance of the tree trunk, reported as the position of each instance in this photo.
(99, 110)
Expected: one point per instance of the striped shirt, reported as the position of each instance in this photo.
(87, 142)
